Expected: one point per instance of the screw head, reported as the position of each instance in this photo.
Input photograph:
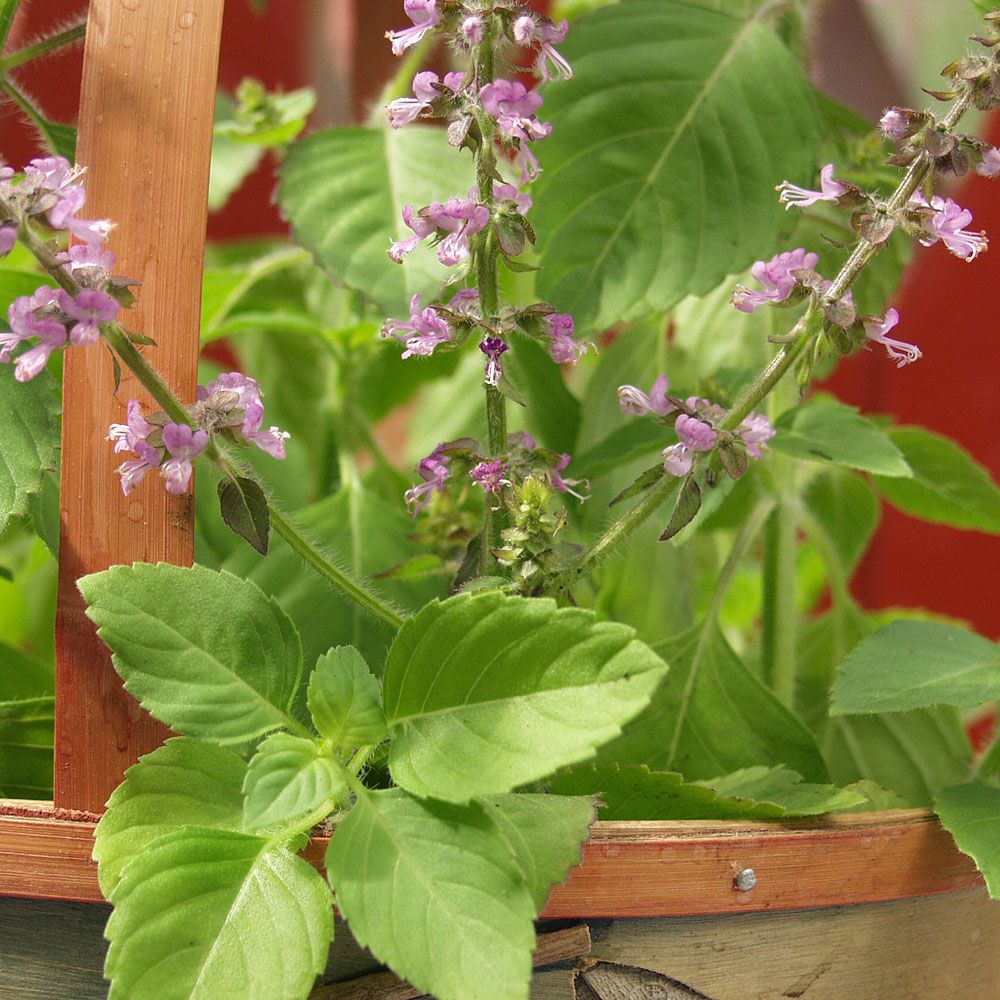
(745, 879)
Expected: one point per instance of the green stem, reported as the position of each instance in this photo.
(989, 763)
(42, 47)
(8, 8)
(780, 616)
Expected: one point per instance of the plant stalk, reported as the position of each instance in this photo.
(42, 47)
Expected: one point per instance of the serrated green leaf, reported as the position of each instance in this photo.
(345, 699)
(434, 890)
(290, 783)
(29, 439)
(712, 716)
(183, 783)
(207, 653)
(634, 792)
(343, 191)
(546, 834)
(971, 814)
(824, 430)
(208, 914)
(487, 692)
(244, 509)
(26, 747)
(948, 485)
(914, 664)
(685, 510)
(667, 144)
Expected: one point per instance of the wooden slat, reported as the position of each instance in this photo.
(628, 869)
(145, 137)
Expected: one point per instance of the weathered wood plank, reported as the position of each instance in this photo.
(146, 116)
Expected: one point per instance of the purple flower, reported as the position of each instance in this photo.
(563, 485)
(777, 278)
(30, 317)
(132, 437)
(513, 107)
(248, 397)
(137, 428)
(634, 401)
(990, 165)
(88, 257)
(55, 175)
(876, 329)
(491, 476)
(51, 335)
(792, 194)
(184, 444)
(894, 124)
(434, 471)
(465, 303)
(90, 308)
(695, 435)
(493, 348)
(523, 29)
(425, 16)
(473, 29)
(550, 34)
(457, 219)
(947, 223)
(425, 331)
(563, 348)
(507, 192)
(8, 237)
(133, 472)
(406, 109)
(755, 431)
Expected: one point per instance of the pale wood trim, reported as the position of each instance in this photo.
(628, 869)
(146, 115)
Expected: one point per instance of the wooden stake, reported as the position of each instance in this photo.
(150, 70)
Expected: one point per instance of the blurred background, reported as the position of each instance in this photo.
(866, 53)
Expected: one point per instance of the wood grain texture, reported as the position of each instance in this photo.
(628, 869)
(146, 116)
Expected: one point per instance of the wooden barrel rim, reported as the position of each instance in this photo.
(639, 869)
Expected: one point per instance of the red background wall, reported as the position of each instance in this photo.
(948, 306)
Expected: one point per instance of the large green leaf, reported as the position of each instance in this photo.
(207, 653)
(824, 430)
(552, 412)
(915, 664)
(183, 783)
(842, 515)
(712, 717)
(343, 191)
(948, 486)
(208, 914)
(634, 792)
(23, 675)
(488, 692)
(26, 747)
(971, 814)
(435, 891)
(546, 833)
(345, 699)
(29, 439)
(667, 144)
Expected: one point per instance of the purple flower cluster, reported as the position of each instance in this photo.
(780, 276)
(425, 16)
(513, 108)
(540, 32)
(426, 89)
(452, 223)
(945, 220)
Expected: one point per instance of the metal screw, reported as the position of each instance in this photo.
(745, 879)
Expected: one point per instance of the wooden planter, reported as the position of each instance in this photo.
(866, 907)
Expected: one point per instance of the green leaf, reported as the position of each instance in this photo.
(26, 747)
(183, 783)
(13, 284)
(824, 430)
(634, 792)
(546, 834)
(232, 163)
(712, 717)
(208, 914)
(948, 486)
(916, 664)
(685, 509)
(553, 412)
(845, 512)
(434, 890)
(487, 692)
(345, 699)
(8, 8)
(244, 508)
(343, 191)
(23, 675)
(971, 814)
(29, 439)
(632, 440)
(207, 653)
(667, 144)
(290, 785)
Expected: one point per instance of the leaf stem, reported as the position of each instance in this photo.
(989, 763)
(42, 47)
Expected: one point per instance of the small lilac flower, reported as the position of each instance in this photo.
(425, 16)
(564, 485)
(55, 175)
(756, 431)
(565, 350)
(425, 331)
(248, 399)
(777, 278)
(86, 256)
(990, 165)
(434, 471)
(137, 428)
(523, 30)
(507, 192)
(550, 34)
(247, 389)
(695, 435)
(51, 335)
(90, 308)
(947, 224)
(459, 218)
(792, 194)
(491, 476)
(677, 460)
(133, 471)
(421, 227)
(876, 329)
(634, 401)
(30, 317)
(513, 107)
(894, 125)
(8, 237)
(473, 29)
(465, 303)
(407, 109)
(493, 348)
(184, 444)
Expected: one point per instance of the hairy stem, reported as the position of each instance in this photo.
(43, 46)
